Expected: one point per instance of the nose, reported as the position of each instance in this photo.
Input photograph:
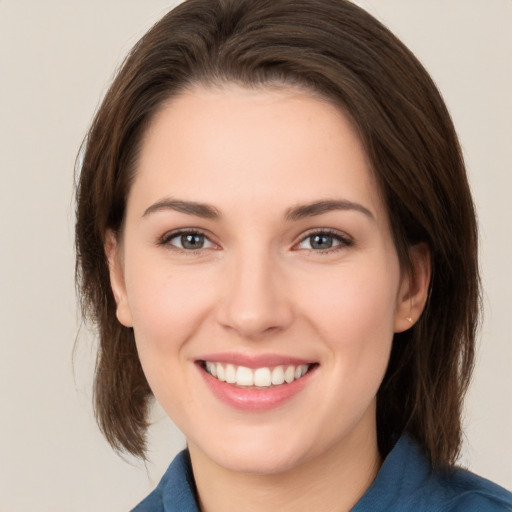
(255, 300)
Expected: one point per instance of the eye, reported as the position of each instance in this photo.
(324, 241)
(188, 240)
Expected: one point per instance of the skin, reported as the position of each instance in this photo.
(258, 286)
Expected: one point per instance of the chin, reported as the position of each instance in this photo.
(258, 462)
(257, 455)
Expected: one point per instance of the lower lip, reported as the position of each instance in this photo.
(252, 399)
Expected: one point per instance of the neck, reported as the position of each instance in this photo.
(334, 481)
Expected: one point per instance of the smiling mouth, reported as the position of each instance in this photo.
(257, 378)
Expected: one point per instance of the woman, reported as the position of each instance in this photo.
(276, 240)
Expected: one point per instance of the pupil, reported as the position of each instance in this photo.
(192, 241)
(321, 242)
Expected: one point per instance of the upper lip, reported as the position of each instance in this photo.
(254, 360)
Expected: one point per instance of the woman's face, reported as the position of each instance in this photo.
(256, 248)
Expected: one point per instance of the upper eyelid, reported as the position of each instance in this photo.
(170, 235)
(325, 231)
(343, 236)
(344, 242)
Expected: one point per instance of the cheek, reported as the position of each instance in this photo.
(353, 313)
(167, 308)
(355, 305)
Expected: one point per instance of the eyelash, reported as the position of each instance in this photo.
(344, 240)
(166, 240)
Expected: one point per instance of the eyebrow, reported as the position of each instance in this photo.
(203, 210)
(207, 211)
(320, 207)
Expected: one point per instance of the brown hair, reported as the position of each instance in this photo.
(336, 49)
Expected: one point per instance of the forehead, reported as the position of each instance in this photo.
(219, 144)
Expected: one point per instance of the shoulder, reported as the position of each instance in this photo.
(176, 491)
(467, 492)
(152, 503)
(406, 482)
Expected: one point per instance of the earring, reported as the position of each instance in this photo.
(410, 320)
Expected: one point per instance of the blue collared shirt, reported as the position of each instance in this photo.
(403, 484)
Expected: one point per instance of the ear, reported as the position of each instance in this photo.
(414, 288)
(115, 265)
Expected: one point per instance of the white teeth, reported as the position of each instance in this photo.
(245, 376)
(212, 369)
(289, 374)
(221, 373)
(230, 374)
(278, 376)
(260, 377)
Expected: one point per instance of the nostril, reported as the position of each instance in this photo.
(252, 318)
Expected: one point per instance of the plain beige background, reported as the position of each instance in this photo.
(56, 60)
